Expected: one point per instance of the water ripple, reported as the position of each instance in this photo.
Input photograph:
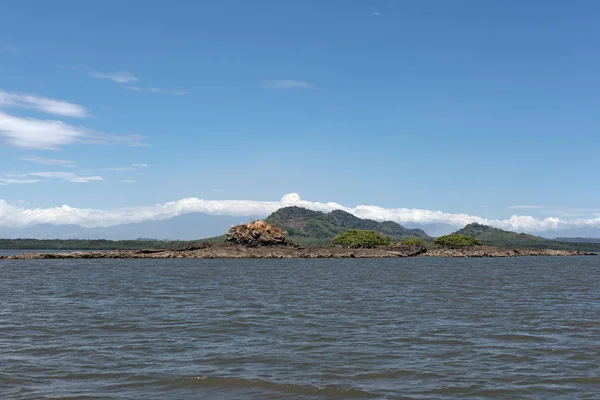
(304, 329)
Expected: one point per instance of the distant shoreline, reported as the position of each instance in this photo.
(233, 251)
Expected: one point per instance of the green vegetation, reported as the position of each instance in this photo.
(456, 241)
(313, 228)
(356, 238)
(413, 242)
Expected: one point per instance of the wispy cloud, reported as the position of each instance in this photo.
(18, 216)
(31, 133)
(11, 181)
(526, 207)
(124, 77)
(44, 104)
(44, 134)
(50, 161)
(66, 176)
(119, 169)
(286, 84)
(118, 77)
(129, 181)
(157, 90)
(133, 167)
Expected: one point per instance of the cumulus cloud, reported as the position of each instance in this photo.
(18, 216)
(50, 161)
(66, 176)
(118, 77)
(286, 84)
(44, 104)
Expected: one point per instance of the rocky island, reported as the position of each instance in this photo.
(262, 240)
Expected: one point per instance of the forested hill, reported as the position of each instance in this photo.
(317, 228)
(497, 237)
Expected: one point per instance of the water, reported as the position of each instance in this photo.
(11, 252)
(417, 328)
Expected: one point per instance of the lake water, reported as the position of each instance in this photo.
(5, 252)
(420, 328)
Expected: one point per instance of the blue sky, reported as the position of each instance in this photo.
(464, 106)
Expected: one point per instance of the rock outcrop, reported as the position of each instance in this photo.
(230, 250)
(489, 251)
(258, 233)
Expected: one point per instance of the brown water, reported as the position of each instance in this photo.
(424, 328)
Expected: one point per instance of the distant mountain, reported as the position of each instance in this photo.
(432, 229)
(577, 240)
(588, 232)
(313, 227)
(184, 227)
(501, 238)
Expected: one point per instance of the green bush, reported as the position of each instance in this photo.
(413, 242)
(355, 238)
(455, 241)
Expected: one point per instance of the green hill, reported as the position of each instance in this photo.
(500, 238)
(312, 228)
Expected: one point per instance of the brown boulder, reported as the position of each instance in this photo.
(258, 233)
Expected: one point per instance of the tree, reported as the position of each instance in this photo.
(455, 241)
(413, 242)
(357, 238)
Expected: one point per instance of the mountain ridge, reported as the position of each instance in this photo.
(501, 238)
(315, 227)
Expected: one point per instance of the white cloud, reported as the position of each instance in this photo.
(527, 207)
(44, 104)
(132, 140)
(30, 133)
(119, 169)
(33, 133)
(157, 90)
(18, 216)
(10, 181)
(50, 161)
(286, 84)
(66, 177)
(133, 167)
(129, 181)
(118, 77)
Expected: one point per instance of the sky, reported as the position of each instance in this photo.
(466, 108)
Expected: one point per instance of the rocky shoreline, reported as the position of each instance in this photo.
(230, 250)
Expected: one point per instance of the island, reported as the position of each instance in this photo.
(294, 232)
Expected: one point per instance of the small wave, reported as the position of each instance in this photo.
(336, 392)
(518, 337)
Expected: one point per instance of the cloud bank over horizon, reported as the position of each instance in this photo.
(18, 216)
